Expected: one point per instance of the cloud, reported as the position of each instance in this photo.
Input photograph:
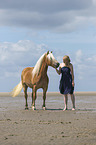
(85, 65)
(43, 6)
(16, 56)
(57, 16)
(92, 59)
(78, 56)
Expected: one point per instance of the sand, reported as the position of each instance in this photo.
(50, 127)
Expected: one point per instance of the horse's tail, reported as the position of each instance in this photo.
(17, 90)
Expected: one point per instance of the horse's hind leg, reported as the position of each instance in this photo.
(26, 96)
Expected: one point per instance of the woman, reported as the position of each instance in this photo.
(67, 81)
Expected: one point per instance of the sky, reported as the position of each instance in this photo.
(29, 28)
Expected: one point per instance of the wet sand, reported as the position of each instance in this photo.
(50, 127)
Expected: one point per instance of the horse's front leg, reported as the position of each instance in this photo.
(44, 98)
(45, 87)
(33, 98)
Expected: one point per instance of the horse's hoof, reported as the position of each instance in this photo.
(33, 108)
(26, 108)
(44, 108)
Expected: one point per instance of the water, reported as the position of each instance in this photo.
(52, 102)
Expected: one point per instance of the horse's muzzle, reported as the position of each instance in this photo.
(57, 65)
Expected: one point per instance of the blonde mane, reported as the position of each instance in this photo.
(37, 67)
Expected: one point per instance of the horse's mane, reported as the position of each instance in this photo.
(37, 67)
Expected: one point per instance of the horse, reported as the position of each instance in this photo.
(35, 78)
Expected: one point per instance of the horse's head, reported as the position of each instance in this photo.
(51, 61)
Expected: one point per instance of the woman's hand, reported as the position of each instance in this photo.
(73, 83)
(58, 71)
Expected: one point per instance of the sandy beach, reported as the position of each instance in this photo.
(50, 127)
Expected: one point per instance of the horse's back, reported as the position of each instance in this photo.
(27, 69)
(26, 75)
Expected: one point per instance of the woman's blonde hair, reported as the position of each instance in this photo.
(66, 58)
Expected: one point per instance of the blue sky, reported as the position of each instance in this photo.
(28, 28)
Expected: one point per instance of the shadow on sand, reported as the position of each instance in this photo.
(83, 109)
(61, 109)
(54, 109)
(86, 109)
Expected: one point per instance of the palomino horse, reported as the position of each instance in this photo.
(35, 78)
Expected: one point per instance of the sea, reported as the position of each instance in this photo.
(54, 101)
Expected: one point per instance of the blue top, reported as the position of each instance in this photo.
(65, 86)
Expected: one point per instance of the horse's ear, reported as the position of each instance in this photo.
(47, 52)
(51, 51)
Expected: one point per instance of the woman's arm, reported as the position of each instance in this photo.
(58, 71)
(72, 73)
